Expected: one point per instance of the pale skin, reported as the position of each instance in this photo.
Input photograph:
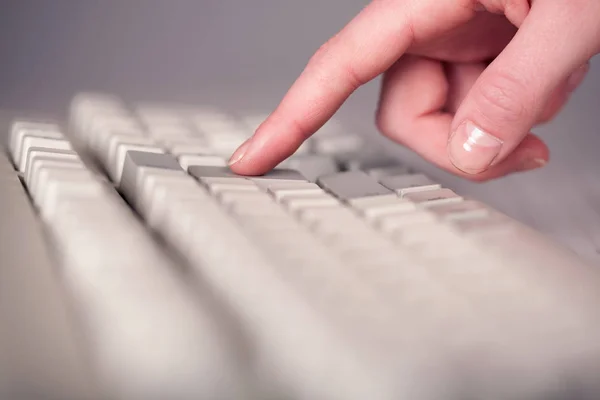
(464, 81)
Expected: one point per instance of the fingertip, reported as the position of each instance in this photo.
(531, 154)
(238, 155)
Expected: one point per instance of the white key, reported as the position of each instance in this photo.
(60, 186)
(467, 209)
(19, 131)
(404, 184)
(152, 182)
(391, 223)
(299, 203)
(32, 141)
(362, 203)
(433, 197)
(41, 166)
(227, 197)
(164, 194)
(21, 128)
(259, 207)
(377, 207)
(319, 215)
(116, 166)
(281, 194)
(217, 188)
(47, 154)
(108, 147)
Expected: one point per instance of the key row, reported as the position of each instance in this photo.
(202, 221)
(118, 275)
(188, 132)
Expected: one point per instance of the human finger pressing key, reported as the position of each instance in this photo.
(464, 81)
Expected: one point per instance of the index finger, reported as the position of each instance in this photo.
(365, 48)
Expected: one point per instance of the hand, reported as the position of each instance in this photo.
(441, 96)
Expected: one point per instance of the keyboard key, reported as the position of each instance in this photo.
(56, 187)
(187, 160)
(21, 129)
(312, 166)
(296, 204)
(395, 222)
(138, 165)
(30, 142)
(379, 173)
(373, 208)
(405, 184)
(204, 172)
(349, 186)
(367, 160)
(467, 209)
(278, 176)
(281, 192)
(433, 197)
(40, 167)
(37, 153)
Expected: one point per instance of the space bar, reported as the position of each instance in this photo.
(39, 353)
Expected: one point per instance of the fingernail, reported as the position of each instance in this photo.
(471, 149)
(531, 164)
(577, 77)
(239, 153)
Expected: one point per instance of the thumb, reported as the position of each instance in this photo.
(551, 46)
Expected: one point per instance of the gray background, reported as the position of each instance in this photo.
(245, 53)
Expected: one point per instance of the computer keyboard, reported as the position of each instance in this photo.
(135, 265)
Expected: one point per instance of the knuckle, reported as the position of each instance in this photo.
(504, 97)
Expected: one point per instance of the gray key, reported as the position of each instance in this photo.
(367, 161)
(135, 161)
(204, 171)
(312, 166)
(380, 173)
(280, 174)
(405, 184)
(352, 185)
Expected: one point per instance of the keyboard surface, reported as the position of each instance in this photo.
(342, 274)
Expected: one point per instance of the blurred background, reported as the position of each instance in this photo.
(241, 53)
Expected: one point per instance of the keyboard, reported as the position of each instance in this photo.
(135, 265)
